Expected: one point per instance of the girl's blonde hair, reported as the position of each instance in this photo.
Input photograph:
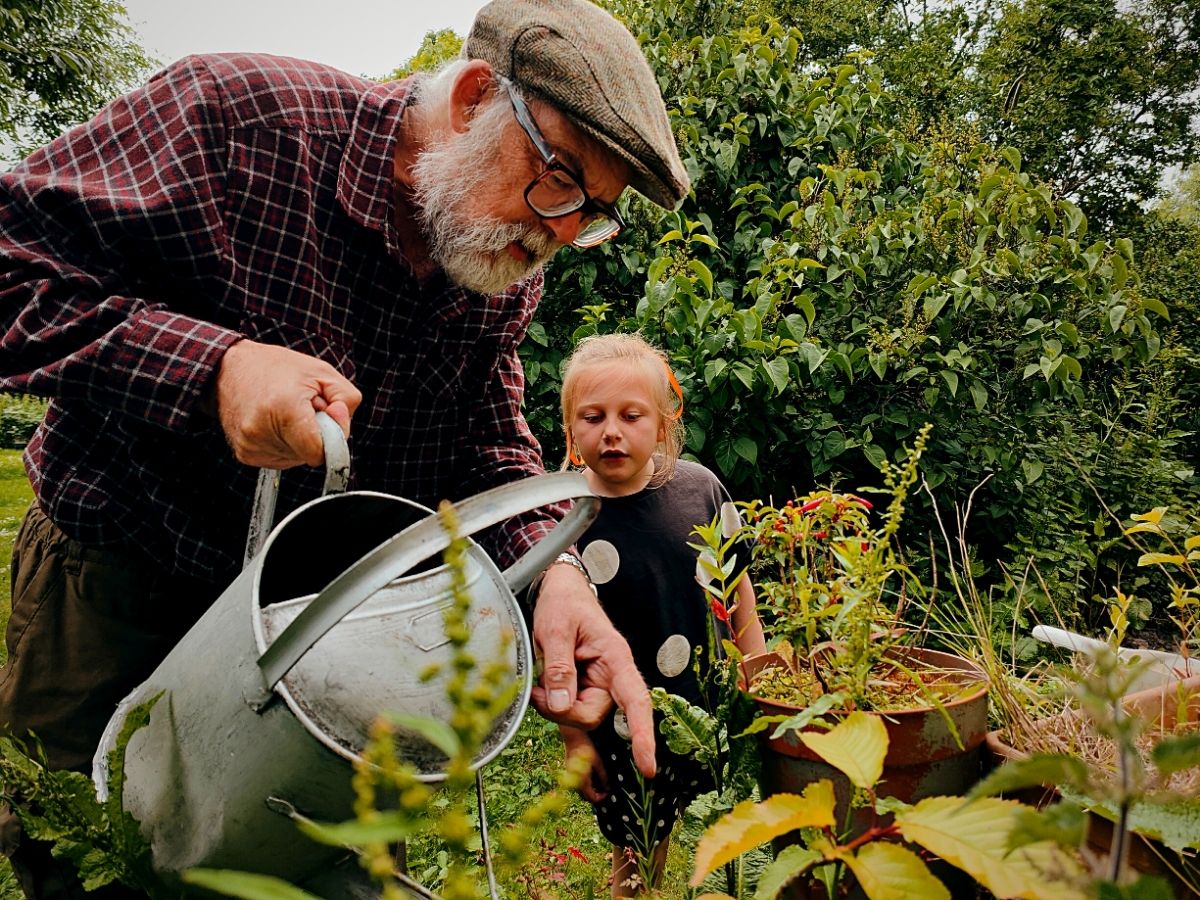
(634, 351)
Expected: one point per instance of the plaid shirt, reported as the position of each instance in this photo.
(241, 196)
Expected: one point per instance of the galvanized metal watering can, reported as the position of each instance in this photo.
(268, 698)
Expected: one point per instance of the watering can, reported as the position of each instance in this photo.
(266, 702)
(1156, 666)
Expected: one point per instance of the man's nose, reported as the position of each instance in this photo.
(565, 228)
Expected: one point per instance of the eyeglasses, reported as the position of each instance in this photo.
(558, 191)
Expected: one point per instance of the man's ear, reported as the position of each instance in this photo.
(472, 86)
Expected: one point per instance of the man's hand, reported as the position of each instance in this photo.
(266, 398)
(570, 628)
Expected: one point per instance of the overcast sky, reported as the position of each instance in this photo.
(364, 37)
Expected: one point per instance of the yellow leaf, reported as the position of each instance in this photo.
(749, 824)
(1143, 526)
(1155, 515)
(1155, 559)
(856, 746)
(974, 837)
(1192, 543)
(891, 872)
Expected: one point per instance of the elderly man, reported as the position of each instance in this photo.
(247, 239)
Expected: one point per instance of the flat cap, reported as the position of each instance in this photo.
(577, 57)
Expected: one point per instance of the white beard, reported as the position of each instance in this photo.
(472, 249)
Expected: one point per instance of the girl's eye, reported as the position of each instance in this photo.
(591, 419)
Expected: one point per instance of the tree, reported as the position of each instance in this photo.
(437, 47)
(60, 61)
(1097, 95)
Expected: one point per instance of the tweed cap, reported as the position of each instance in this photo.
(584, 62)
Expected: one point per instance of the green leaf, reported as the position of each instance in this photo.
(856, 746)
(951, 380)
(1032, 469)
(875, 455)
(805, 717)
(1116, 315)
(933, 305)
(778, 371)
(891, 872)
(749, 824)
(979, 395)
(1174, 820)
(878, 363)
(792, 862)
(689, 730)
(1157, 307)
(1036, 770)
(703, 273)
(245, 885)
(387, 827)
(438, 733)
(747, 449)
(673, 235)
(975, 837)
(1120, 272)
(1064, 824)
(1174, 754)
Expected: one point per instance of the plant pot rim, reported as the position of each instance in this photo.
(936, 656)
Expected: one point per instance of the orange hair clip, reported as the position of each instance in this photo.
(678, 392)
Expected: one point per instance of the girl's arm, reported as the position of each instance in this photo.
(747, 629)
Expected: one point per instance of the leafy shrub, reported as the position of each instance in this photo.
(20, 416)
(841, 275)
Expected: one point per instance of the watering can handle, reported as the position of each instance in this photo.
(337, 476)
(418, 542)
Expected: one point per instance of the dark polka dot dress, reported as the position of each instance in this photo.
(646, 575)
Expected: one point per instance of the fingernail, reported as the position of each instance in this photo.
(560, 700)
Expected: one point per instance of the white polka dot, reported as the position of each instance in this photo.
(621, 727)
(661, 823)
(674, 655)
(602, 561)
(731, 519)
(620, 778)
(703, 575)
(624, 818)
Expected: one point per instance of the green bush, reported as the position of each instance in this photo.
(841, 275)
(20, 415)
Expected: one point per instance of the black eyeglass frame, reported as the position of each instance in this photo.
(589, 205)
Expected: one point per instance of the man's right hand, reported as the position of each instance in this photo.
(266, 397)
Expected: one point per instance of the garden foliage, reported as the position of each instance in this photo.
(845, 271)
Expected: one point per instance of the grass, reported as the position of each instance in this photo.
(525, 770)
(15, 495)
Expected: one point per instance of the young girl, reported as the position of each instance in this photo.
(621, 413)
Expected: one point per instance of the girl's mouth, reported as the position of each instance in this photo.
(613, 454)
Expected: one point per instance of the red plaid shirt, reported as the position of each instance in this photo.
(240, 196)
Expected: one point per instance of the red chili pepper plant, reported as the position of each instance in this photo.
(834, 589)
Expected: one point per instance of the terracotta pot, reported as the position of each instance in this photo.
(923, 758)
(1147, 855)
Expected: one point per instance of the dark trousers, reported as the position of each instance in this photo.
(88, 625)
